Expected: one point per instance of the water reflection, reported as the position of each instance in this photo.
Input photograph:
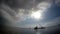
(37, 32)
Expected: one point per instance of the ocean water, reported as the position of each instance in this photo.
(32, 31)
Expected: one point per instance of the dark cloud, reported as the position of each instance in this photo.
(20, 3)
(15, 3)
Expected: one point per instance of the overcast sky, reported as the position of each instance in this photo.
(18, 12)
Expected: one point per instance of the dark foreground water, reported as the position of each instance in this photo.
(48, 30)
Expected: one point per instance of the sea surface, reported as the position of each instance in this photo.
(49, 30)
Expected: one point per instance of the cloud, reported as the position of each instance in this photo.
(15, 11)
(8, 14)
(57, 2)
(21, 3)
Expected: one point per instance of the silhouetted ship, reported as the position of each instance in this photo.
(39, 28)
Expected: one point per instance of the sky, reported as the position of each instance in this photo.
(30, 13)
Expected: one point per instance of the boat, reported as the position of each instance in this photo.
(39, 28)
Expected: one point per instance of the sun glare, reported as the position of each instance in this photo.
(36, 14)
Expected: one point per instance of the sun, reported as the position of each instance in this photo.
(36, 14)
